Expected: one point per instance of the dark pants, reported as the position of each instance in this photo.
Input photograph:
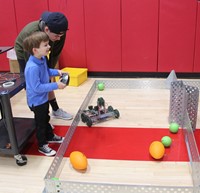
(22, 64)
(44, 130)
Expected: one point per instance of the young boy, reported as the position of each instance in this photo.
(37, 75)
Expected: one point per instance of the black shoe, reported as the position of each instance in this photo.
(56, 139)
(46, 150)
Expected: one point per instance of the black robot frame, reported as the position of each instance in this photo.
(98, 113)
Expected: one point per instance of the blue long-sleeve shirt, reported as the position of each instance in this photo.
(37, 76)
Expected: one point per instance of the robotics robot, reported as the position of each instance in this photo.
(98, 113)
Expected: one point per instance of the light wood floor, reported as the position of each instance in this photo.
(146, 108)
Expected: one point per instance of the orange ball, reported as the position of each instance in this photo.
(78, 160)
(156, 149)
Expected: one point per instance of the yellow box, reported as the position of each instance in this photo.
(77, 75)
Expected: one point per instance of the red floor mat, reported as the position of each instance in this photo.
(197, 138)
(118, 143)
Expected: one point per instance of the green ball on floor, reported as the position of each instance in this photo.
(166, 141)
(101, 86)
(173, 127)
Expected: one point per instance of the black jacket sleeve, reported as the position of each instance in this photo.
(56, 48)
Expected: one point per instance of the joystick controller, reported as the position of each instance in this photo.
(65, 78)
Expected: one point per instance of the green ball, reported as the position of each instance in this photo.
(173, 127)
(101, 86)
(166, 141)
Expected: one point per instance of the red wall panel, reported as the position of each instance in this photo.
(27, 11)
(139, 35)
(116, 35)
(197, 43)
(73, 54)
(176, 35)
(103, 35)
(7, 23)
(8, 30)
(4, 63)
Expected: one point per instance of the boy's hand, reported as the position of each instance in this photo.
(61, 72)
(65, 78)
(61, 85)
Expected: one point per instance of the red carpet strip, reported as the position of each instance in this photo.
(117, 143)
(197, 138)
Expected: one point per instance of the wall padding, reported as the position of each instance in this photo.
(197, 42)
(139, 35)
(103, 35)
(177, 25)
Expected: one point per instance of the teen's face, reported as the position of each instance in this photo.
(52, 36)
(44, 48)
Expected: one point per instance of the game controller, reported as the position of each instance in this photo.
(65, 78)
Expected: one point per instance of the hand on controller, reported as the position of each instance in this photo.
(65, 78)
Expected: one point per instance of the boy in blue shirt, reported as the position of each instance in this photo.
(37, 75)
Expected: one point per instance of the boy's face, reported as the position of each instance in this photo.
(44, 48)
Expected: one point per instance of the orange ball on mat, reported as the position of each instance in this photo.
(156, 149)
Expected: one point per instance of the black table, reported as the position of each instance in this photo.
(14, 132)
(5, 49)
